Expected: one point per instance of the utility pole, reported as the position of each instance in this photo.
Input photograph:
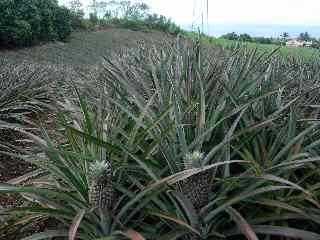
(202, 23)
(208, 27)
(94, 5)
(200, 18)
(194, 15)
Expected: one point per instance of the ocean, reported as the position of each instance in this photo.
(257, 30)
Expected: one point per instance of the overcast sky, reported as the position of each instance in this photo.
(282, 12)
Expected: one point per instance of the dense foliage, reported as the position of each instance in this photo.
(127, 14)
(181, 141)
(247, 38)
(24, 22)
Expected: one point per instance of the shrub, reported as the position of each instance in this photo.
(20, 33)
(245, 38)
(63, 23)
(133, 16)
(93, 19)
(77, 20)
(160, 22)
(133, 24)
(104, 23)
(25, 22)
(262, 40)
(230, 36)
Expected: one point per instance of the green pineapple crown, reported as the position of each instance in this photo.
(100, 168)
(193, 160)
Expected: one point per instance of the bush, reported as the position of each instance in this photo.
(133, 24)
(93, 19)
(245, 38)
(22, 32)
(124, 14)
(63, 23)
(316, 44)
(160, 22)
(19, 33)
(104, 23)
(77, 20)
(230, 36)
(263, 40)
(23, 23)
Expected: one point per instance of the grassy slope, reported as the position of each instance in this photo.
(285, 51)
(84, 48)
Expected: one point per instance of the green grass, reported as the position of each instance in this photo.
(285, 51)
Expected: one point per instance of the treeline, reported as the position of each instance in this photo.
(247, 38)
(278, 41)
(126, 14)
(26, 22)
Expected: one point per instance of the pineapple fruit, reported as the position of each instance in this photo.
(101, 191)
(196, 187)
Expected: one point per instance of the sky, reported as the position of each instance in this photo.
(281, 12)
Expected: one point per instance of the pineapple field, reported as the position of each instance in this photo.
(129, 135)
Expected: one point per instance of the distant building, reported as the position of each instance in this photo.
(298, 43)
(295, 43)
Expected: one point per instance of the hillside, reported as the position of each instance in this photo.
(85, 49)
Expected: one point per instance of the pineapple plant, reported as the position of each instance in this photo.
(101, 191)
(197, 187)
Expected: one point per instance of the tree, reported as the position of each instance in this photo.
(113, 10)
(101, 8)
(316, 43)
(93, 8)
(77, 14)
(262, 40)
(24, 22)
(230, 36)
(75, 5)
(245, 37)
(93, 19)
(285, 35)
(127, 9)
(305, 36)
(138, 10)
(63, 22)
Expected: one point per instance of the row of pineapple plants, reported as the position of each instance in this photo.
(24, 93)
(183, 142)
